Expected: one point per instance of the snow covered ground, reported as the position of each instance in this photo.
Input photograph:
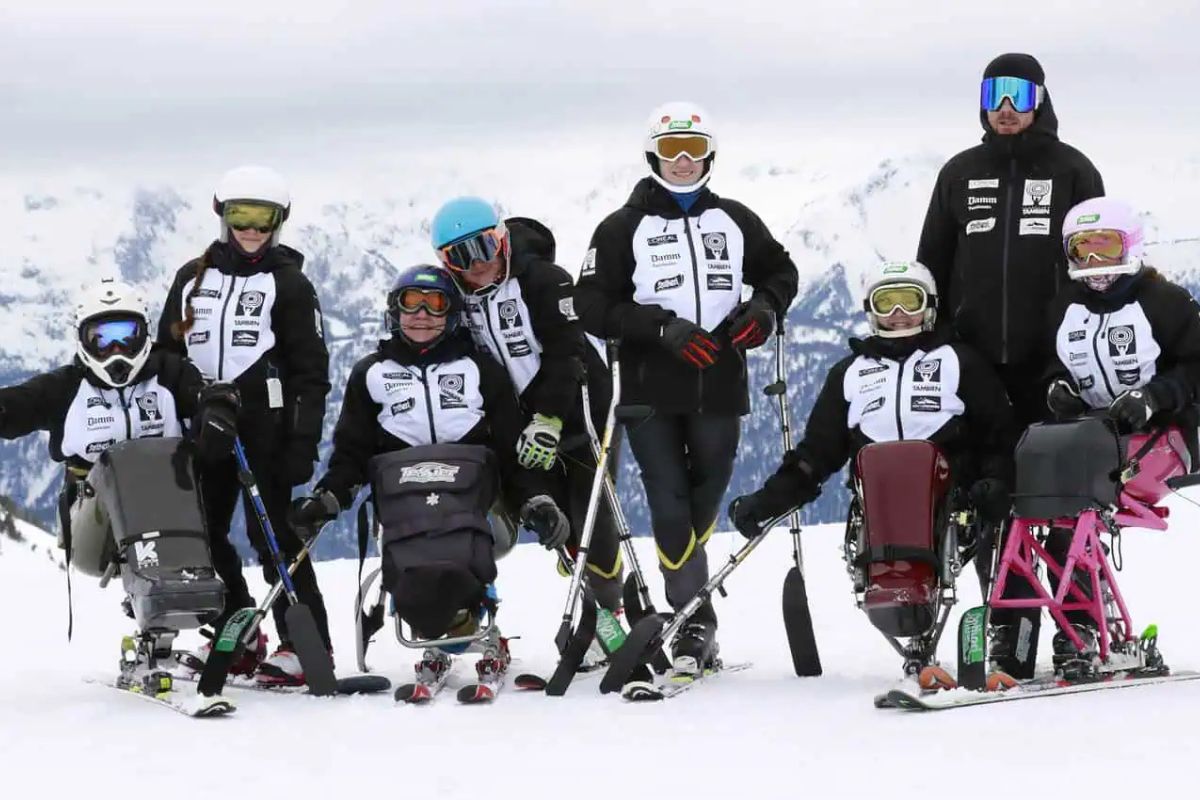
(759, 733)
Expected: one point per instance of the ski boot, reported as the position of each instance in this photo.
(1073, 663)
(283, 668)
(694, 648)
(246, 665)
(1002, 660)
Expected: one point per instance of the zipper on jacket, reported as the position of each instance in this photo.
(428, 405)
(687, 228)
(1008, 190)
(1099, 364)
(221, 327)
(125, 408)
(487, 316)
(899, 389)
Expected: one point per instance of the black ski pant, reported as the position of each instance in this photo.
(220, 489)
(1026, 391)
(686, 461)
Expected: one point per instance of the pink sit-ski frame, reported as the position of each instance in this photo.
(1084, 554)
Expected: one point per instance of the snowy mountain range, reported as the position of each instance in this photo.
(837, 217)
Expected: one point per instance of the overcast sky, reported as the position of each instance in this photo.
(81, 81)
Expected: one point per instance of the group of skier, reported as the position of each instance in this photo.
(1020, 259)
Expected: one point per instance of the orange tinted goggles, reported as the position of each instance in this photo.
(670, 148)
(412, 300)
(1100, 245)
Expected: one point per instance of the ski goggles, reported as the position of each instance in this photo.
(262, 217)
(1024, 95)
(1104, 246)
(482, 246)
(411, 300)
(104, 337)
(908, 297)
(670, 148)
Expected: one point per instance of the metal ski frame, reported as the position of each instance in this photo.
(653, 632)
(797, 618)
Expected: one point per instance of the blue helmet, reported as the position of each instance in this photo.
(429, 280)
(460, 218)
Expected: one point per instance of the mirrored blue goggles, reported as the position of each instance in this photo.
(482, 246)
(106, 335)
(1024, 95)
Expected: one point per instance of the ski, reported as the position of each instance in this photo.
(674, 684)
(479, 693)
(190, 705)
(344, 687)
(425, 688)
(1029, 690)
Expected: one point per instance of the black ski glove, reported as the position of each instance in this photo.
(991, 500)
(310, 513)
(543, 517)
(751, 323)
(690, 343)
(1134, 408)
(296, 465)
(1063, 400)
(750, 511)
(747, 513)
(215, 427)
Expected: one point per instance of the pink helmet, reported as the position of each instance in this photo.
(1105, 213)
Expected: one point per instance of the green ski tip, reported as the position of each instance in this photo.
(1151, 632)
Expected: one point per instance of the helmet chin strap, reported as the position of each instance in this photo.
(899, 333)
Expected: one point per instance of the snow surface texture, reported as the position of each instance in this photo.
(759, 733)
(839, 204)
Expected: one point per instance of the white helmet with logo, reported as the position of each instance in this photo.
(253, 184)
(112, 331)
(680, 119)
(901, 274)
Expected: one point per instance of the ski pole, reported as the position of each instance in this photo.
(247, 479)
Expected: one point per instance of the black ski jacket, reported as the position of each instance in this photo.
(528, 324)
(924, 387)
(396, 398)
(257, 321)
(649, 262)
(1143, 334)
(993, 234)
(84, 416)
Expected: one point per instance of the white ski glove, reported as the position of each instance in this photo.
(538, 446)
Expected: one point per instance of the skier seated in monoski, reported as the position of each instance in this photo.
(926, 425)
(117, 417)
(1126, 343)
(431, 425)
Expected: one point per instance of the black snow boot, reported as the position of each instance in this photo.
(1071, 661)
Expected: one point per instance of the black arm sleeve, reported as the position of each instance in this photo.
(1175, 323)
(355, 438)
(549, 295)
(1054, 369)
(826, 443)
(181, 378)
(300, 342)
(768, 267)
(990, 423)
(1089, 184)
(503, 416)
(939, 236)
(604, 294)
(38, 404)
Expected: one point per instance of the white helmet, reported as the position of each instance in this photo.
(901, 274)
(680, 119)
(112, 332)
(257, 184)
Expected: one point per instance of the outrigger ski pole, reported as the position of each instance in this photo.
(797, 618)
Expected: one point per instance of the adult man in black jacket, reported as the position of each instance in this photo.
(992, 234)
(664, 275)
